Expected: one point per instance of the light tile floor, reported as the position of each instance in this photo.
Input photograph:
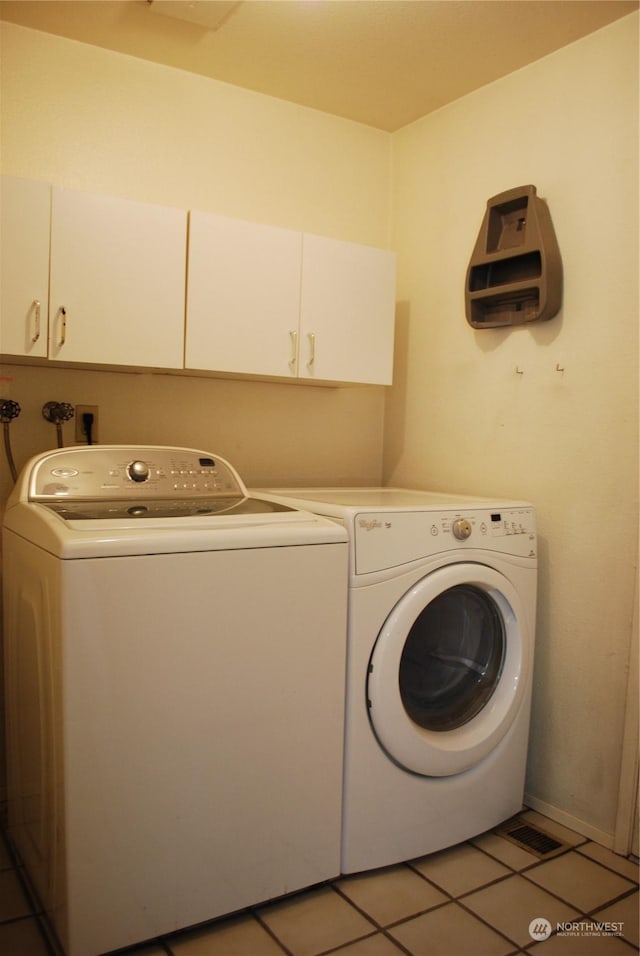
(476, 899)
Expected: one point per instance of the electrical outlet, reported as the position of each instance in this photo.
(81, 430)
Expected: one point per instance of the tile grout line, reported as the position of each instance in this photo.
(605, 866)
(523, 871)
(431, 909)
(612, 902)
(498, 879)
(270, 932)
(36, 912)
(633, 888)
(460, 902)
(378, 927)
(609, 902)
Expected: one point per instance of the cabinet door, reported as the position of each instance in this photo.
(347, 312)
(117, 281)
(243, 296)
(25, 210)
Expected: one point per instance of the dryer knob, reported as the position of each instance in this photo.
(461, 528)
(138, 471)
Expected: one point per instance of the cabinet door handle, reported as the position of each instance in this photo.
(36, 321)
(312, 349)
(62, 312)
(293, 335)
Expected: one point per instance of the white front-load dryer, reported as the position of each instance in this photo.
(442, 607)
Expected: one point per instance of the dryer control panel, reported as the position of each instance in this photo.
(133, 472)
(384, 540)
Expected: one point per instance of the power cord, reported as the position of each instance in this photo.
(8, 411)
(87, 426)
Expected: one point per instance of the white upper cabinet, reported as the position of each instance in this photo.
(243, 296)
(268, 301)
(347, 312)
(25, 210)
(102, 281)
(117, 281)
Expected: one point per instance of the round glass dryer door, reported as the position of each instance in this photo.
(452, 659)
(448, 670)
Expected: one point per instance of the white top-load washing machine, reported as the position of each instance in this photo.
(442, 609)
(175, 654)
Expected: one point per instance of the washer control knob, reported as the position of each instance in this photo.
(461, 528)
(138, 471)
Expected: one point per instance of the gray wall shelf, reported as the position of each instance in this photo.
(515, 272)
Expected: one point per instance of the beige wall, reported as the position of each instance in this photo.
(87, 118)
(458, 417)
(461, 418)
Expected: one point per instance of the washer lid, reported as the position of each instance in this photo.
(106, 537)
(163, 508)
(449, 670)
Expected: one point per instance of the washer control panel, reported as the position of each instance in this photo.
(138, 472)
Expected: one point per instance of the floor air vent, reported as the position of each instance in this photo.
(531, 838)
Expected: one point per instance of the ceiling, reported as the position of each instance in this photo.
(384, 63)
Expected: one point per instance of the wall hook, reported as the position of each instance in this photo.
(519, 371)
(559, 368)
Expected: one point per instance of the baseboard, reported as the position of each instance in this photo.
(567, 820)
